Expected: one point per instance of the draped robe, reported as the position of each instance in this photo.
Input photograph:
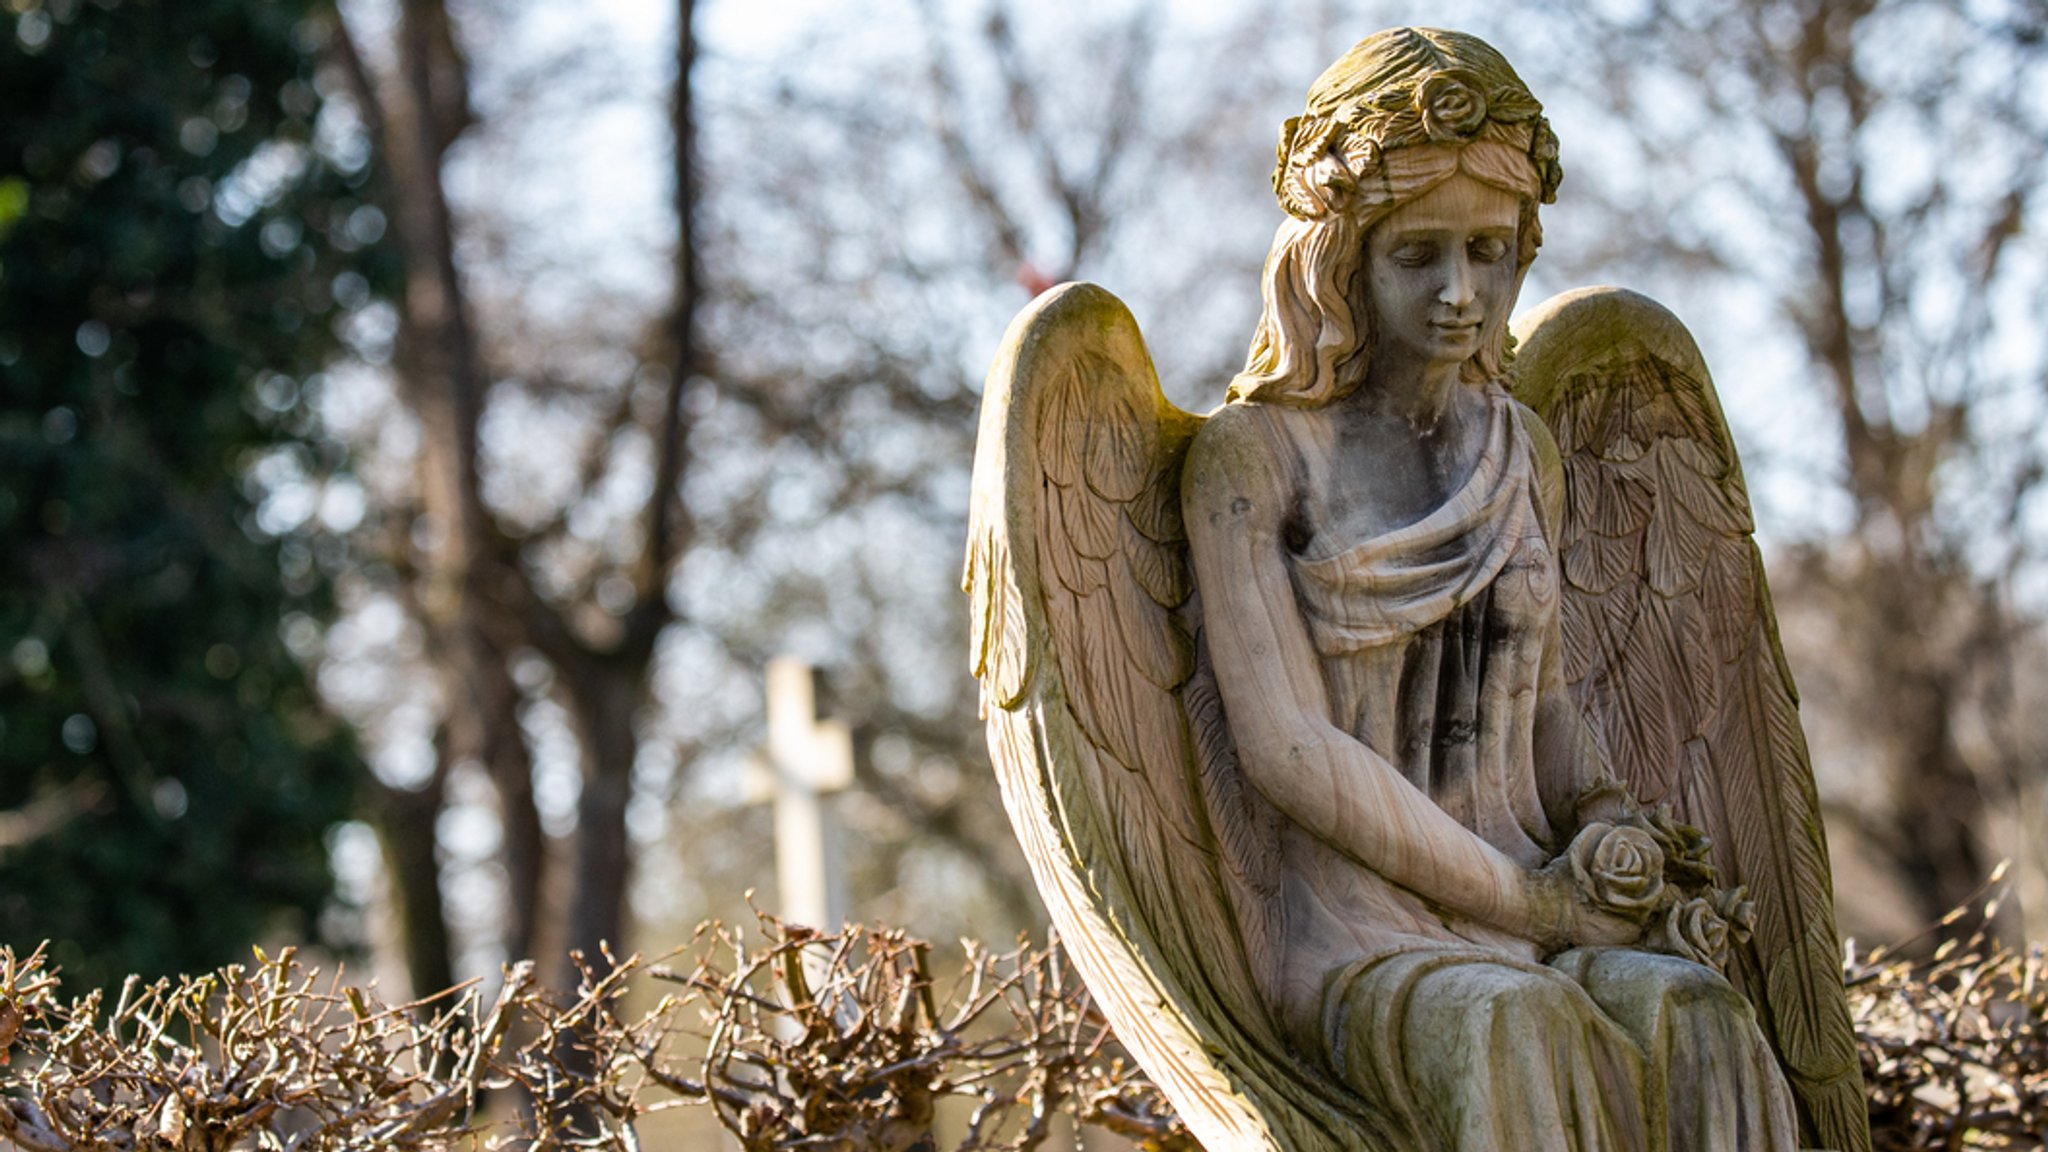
(1438, 642)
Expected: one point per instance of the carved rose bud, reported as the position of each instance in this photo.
(1620, 869)
(1738, 910)
(1452, 108)
(1695, 930)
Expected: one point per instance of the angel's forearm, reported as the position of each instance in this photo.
(1343, 793)
(1237, 499)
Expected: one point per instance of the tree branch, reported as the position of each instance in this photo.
(669, 524)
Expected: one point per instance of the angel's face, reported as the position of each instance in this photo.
(1442, 270)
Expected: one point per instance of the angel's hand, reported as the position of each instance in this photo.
(1565, 916)
(1590, 927)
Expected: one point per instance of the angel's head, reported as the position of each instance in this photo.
(1398, 116)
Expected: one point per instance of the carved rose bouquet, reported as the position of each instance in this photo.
(1704, 929)
(1649, 867)
(1618, 868)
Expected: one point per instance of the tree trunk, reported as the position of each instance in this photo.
(468, 588)
(603, 699)
(525, 842)
(1937, 805)
(405, 820)
(487, 719)
(440, 378)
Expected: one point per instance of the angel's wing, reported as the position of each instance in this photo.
(1107, 738)
(1671, 649)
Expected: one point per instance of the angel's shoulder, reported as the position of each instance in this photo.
(1242, 441)
(1241, 451)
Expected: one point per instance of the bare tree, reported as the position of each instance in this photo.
(776, 456)
(469, 577)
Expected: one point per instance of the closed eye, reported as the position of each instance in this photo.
(1488, 249)
(1414, 255)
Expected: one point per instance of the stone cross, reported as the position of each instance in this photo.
(809, 758)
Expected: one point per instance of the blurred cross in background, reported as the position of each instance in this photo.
(809, 758)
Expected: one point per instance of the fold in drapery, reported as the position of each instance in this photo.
(1365, 593)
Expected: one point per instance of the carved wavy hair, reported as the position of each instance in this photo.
(1398, 115)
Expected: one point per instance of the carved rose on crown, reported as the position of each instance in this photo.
(1620, 869)
(1453, 109)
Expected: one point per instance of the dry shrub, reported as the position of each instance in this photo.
(833, 1041)
(837, 1041)
(1955, 1048)
(248, 1057)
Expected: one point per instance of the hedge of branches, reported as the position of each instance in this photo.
(847, 1042)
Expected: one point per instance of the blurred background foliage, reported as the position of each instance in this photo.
(444, 380)
(170, 250)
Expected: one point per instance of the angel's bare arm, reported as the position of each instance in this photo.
(1236, 498)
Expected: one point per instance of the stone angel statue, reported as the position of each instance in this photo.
(1404, 750)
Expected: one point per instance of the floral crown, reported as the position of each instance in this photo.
(1448, 106)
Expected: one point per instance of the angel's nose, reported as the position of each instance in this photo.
(1458, 284)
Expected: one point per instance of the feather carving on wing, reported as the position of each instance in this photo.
(1156, 862)
(1672, 653)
